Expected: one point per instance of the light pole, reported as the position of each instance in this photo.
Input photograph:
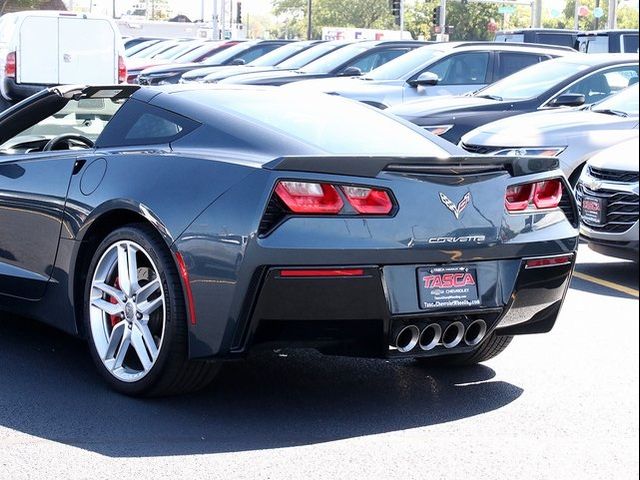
(309, 32)
(215, 34)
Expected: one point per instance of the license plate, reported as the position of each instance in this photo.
(593, 210)
(448, 287)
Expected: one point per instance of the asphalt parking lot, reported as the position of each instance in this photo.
(561, 405)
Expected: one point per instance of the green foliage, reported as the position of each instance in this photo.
(469, 20)
(330, 13)
(628, 17)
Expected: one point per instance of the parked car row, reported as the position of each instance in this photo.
(595, 41)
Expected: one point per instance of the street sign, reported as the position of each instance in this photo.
(598, 12)
(506, 9)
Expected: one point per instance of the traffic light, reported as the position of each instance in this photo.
(436, 15)
(239, 13)
(396, 8)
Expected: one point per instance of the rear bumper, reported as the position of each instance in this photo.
(626, 250)
(362, 315)
(19, 91)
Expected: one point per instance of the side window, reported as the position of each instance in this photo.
(138, 123)
(513, 62)
(373, 60)
(600, 85)
(630, 43)
(556, 39)
(462, 69)
(257, 52)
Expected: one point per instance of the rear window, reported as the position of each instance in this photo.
(332, 124)
(514, 37)
(139, 123)
(563, 40)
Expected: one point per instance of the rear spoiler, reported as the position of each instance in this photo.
(364, 166)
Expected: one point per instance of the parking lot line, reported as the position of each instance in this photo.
(605, 283)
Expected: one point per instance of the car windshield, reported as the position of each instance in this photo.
(85, 117)
(276, 56)
(228, 53)
(532, 81)
(321, 120)
(625, 102)
(200, 51)
(308, 56)
(154, 50)
(177, 51)
(335, 59)
(405, 65)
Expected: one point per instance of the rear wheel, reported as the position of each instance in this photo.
(136, 319)
(491, 347)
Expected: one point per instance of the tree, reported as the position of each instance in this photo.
(628, 17)
(330, 13)
(469, 20)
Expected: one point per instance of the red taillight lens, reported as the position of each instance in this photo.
(312, 198)
(368, 201)
(122, 70)
(518, 197)
(540, 195)
(341, 272)
(10, 65)
(547, 194)
(548, 262)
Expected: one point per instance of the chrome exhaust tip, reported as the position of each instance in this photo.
(475, 333)
(407, 338)
(452, 335)
(430, 336)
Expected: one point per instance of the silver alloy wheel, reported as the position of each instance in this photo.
(127, 311)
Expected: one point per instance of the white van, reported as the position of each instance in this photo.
(39, 49)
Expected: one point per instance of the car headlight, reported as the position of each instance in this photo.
(438, 129)
(530, 151)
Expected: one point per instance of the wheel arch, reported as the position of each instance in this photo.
(102, 222)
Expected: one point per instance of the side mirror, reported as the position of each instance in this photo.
(238, 61)
(351, 72)
(425, 78)
(568, 100)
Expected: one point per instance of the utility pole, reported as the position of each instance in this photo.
(215, 31)
(576, 16)
(443, 18)
(309, 24)
(401, 19)
(223, 20)
(613, 21)
(537, 17)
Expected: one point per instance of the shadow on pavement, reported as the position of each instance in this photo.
(619, 272)
(51, 390)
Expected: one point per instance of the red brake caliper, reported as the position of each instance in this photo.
(115, 319)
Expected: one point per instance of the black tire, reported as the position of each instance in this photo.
(491, 347)
(172, 373)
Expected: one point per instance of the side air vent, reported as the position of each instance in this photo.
(273, 215)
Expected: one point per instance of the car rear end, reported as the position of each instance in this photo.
(608, 200)
(382, 257)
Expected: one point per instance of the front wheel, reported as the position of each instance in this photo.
(135, 317)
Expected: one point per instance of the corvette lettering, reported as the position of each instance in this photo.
(464, 239)
(448, 280)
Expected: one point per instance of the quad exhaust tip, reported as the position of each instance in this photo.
(430, 337)
(475, 332)
(453, 335)
(407, 338)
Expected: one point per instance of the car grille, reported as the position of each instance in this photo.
(480, 149)
(613, 175)
(622, 209)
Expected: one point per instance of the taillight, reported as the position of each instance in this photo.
(10, 65)
(368, 201)
(539, 195)
(122, 70)
(306, 197)
(547, 194)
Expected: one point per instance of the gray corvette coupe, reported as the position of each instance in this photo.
(175, 229)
